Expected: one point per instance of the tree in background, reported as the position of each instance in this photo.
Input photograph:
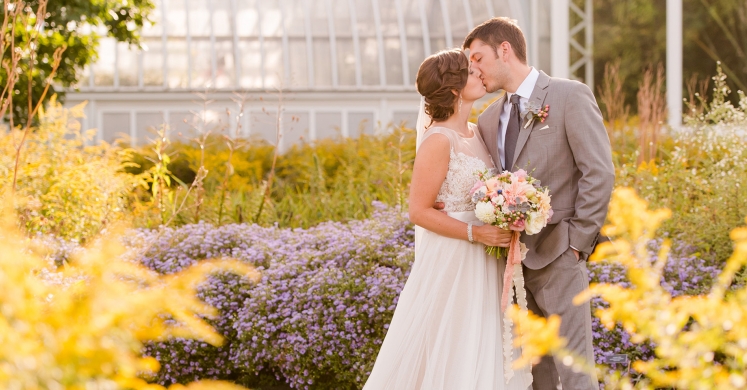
(634, 31)
(75, 25)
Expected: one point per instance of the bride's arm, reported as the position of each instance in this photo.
(428, 174)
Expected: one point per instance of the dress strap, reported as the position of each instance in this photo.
(450, 134)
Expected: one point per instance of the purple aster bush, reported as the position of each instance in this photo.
(317, 317)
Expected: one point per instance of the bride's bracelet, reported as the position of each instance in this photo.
(469, 233)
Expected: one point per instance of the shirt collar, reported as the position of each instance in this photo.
(527, 86)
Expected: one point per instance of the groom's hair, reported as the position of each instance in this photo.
(498, 30)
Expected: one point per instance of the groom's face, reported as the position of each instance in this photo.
(484, 59)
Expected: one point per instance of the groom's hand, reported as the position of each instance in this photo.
(578, 256)
(439, 206)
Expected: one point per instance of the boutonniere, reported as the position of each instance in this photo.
(532, 112)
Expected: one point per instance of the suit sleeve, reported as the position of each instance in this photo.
(590, 145)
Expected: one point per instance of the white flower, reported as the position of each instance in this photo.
(485, 212)
(535, 222)
(498, 200)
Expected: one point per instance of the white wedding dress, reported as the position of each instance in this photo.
(446, 330)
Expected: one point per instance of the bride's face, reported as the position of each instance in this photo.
(474, 88)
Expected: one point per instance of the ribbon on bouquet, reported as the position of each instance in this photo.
(514, 276)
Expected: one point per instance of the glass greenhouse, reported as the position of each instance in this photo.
(341, 67)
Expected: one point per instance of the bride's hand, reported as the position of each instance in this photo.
(492, 235)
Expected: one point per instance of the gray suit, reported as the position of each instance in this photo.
(570, 154)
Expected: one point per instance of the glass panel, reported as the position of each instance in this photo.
(225, 74)
(345, 62)
(178, 63)
(199, 17)
(501, 8)
(328, 125)
(251, 76)
(115, 126)
(458, 19)
(322, 68)
(273, 63)
(360, 123)
(369, 45)
(127, 64)
(436, 26)
(344, 42)
(416, 56)
(84, 82)
(298, 65)
(393, 57)
(249, 48)
(411, 9)
(103, 70)
(176, 18)
(248, 17)
(414, 29)
(271, 19)
(392, 44)
(370, 61)
(295, 26)
(322, 51)
(222, 17)
(156, 28)
(479, 11)
(201, 54)
(153, 63)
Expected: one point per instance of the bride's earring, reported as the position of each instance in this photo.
(460, 103)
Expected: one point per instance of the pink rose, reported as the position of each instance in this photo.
(492, 184)
(550, 213)
(521, 175)
(517, 225)
(476, 187)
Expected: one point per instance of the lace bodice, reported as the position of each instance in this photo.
(467, 157)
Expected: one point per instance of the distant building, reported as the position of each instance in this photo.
(344, 66)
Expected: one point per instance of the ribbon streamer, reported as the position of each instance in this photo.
(514, 276)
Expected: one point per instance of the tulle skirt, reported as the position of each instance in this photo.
(446, 330)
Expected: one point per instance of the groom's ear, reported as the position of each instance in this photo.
(503, 49)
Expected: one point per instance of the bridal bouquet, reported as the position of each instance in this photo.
(513, 201)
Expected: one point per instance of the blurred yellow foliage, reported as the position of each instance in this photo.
(67, 186)
(537, 336)
(83, 326)
(701, 341)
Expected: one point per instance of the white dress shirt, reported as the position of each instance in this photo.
(525, 92)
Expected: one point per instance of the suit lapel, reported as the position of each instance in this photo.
(538, 98)
(491, 136)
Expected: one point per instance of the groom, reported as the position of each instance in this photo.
(569, 153)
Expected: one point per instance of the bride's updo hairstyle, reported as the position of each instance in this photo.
(438, 76)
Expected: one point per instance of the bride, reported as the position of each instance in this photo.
(446, 330)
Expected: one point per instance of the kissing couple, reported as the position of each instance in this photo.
(445, 332)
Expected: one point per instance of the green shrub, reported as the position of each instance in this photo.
(330, 179)
(700, 175)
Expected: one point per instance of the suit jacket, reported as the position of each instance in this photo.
(569, 153)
